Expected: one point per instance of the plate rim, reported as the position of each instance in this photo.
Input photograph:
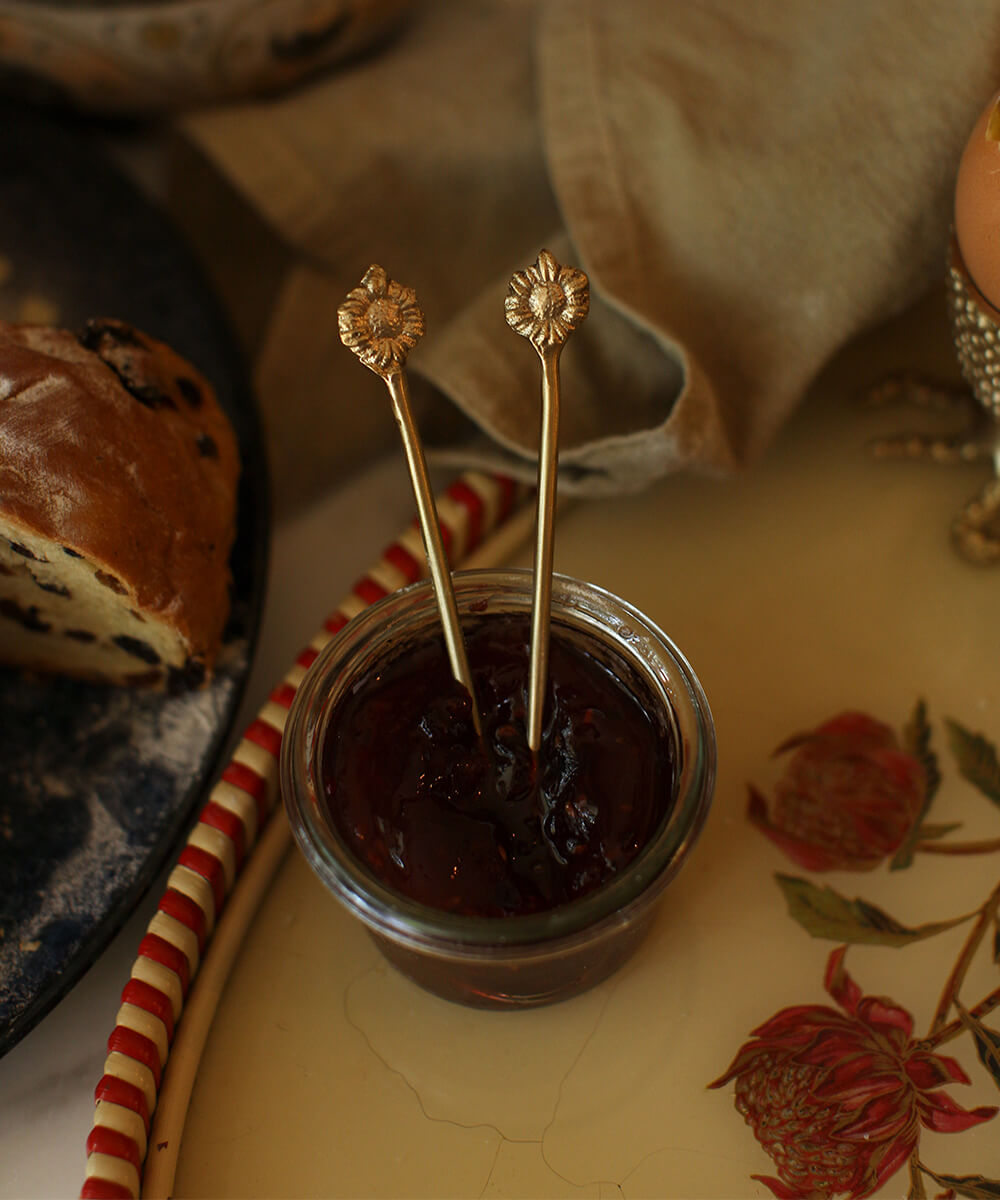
(251, 548)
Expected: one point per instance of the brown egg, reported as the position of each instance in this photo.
(977, 203)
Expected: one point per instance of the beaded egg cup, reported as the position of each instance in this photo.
(976, 335)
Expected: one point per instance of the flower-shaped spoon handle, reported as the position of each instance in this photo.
(545, 303)
(381, 321)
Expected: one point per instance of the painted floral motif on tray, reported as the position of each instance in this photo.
(838, 1095)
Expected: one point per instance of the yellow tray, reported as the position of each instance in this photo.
(820, 581)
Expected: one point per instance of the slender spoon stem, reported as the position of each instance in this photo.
(544, 545)
(430, 528)
(544, 304)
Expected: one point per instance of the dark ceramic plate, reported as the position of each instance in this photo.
(97, 785)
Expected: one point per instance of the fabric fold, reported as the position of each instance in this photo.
(748, 187)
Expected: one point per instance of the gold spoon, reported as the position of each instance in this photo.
(381, 321)
(544, 304)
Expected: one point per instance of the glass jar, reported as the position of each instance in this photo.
(506, 961)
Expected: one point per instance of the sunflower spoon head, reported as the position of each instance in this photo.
(381, 321)
(546, 302)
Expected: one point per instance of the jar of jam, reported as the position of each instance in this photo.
(489, 875)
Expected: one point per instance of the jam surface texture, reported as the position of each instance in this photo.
(475, 828)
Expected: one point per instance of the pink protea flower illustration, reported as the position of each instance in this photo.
(837, 1096)
(848, 797)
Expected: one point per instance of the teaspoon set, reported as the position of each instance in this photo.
(381, 321)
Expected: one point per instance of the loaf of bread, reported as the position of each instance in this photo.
(118, 474)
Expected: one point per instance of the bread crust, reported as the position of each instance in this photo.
(115, 448)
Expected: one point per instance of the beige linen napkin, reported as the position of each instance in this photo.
(748, 183)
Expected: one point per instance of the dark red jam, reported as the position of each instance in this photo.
(473, 827)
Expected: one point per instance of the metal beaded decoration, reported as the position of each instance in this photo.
(976, 330)
(976, 334)
(975, 325)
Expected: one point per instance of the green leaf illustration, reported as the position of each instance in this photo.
(987, 1042)
(824, 913)
(976, 758)
(976, 1187)
(917, 741)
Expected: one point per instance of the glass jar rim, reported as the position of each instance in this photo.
(585, 607)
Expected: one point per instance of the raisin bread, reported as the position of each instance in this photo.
(118, 475)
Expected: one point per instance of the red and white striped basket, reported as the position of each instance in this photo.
(240, 838)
